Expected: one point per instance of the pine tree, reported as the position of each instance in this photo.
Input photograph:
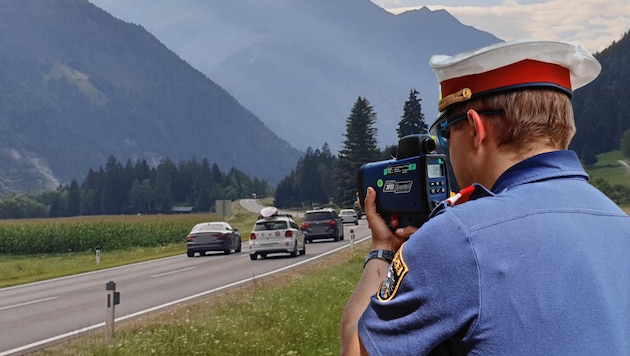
(624, 145)
(327, 163)
(412, 120)
(141, 197)
(166, 174)
(286, 193)
(73, 206)
(113, 195)
(311, 190)
(359, 148)
(314, 176)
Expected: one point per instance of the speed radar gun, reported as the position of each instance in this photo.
(409, 185)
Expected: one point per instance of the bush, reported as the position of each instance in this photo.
(618, 193)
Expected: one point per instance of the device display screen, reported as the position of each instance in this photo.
(435, 170)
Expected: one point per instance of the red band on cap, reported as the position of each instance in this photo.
(519, 73)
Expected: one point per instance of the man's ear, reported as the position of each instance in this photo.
(480, 129)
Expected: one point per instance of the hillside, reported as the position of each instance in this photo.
(80, 85)
(612, 167)
(299, 65)
(601, 108)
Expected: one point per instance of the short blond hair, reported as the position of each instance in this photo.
(531, 117)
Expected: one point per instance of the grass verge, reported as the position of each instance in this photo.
(15, 270)
(296, 313)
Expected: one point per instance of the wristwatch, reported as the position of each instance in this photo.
(384, 255)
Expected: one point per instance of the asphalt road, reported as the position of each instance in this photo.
(37, 314)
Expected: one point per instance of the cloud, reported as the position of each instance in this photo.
(595, 24)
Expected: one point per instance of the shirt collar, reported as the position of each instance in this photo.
(556, 164)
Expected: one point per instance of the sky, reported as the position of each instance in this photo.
(595, 24)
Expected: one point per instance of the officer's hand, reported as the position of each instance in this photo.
(382, 235)
(404, 232)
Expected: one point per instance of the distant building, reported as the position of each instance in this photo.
(181, 209)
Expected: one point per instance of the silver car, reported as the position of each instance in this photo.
(213, 236)
(348, 216)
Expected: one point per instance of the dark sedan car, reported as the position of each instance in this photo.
(213, 236)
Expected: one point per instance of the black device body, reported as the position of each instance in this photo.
(411, 184)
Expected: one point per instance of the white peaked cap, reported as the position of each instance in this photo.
(512, 65)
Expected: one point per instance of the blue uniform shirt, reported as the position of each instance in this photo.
(539, 265)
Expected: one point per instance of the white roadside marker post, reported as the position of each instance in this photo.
(113, 298)
(352, 239)
(98, 256)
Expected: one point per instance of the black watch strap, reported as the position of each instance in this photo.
(384, 255)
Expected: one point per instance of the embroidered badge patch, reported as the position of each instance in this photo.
(390, 284)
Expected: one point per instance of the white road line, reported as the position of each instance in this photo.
(28, 303)
(171, 272)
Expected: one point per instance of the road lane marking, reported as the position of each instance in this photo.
(28, 303)
(172, 272)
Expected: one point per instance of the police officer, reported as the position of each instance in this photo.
(529, 258)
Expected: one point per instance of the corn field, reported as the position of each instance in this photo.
(84, 234)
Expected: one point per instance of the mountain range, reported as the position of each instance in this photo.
(243, 83)
(248, 84)
(300, 65)
(79, 85)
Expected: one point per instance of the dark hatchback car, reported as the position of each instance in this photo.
(213, 236)
(322, 224)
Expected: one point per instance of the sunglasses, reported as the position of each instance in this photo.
(443, 134)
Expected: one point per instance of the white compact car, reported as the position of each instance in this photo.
(348, 216)
(275, 233)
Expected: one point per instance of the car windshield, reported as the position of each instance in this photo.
(210, 227)
(347, 212)
(270, 225)
(317, 216)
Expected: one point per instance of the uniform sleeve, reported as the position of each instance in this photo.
(430, 294)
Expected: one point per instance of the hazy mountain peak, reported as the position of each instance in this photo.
(85, 86)
(327, 53)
